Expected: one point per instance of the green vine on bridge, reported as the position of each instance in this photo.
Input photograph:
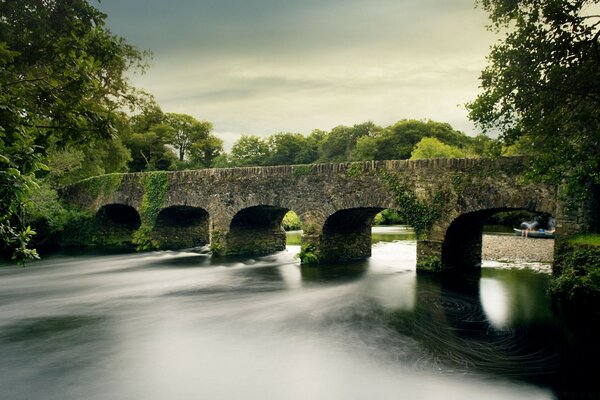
(419, 214)
(103, 185)
(355, 170)
(301, 170)
(155, 186)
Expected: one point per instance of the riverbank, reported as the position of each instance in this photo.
(515, 249)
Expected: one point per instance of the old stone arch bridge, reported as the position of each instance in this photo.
(239, 210)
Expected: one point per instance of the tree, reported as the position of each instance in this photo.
(542, 87)
(398, 140)
(429, 147)
(149, 149)
(62, 77)
(204, 152)
(249, 150)
(186, 131)
(339, 144)
(288, 149)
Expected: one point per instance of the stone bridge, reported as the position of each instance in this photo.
(238, 211)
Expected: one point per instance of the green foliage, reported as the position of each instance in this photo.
(378, 219)
(302, 170)
(355, 170)
(310, 229)
(388, 217)
(308, 254)
(249, 150)
(419, 214)
(18, 241)
(429, 263)
(430, 147)
(155, 190)
(576, 278)
(291, 221)
(102, 185)
(289, 149)
(204, 151)
(399, 140)
(62, 75)
(216, 243)
(338, 145)
(149, 149)
(361, 142)
(511, 218)
(184, 131)
(541, 88)
(588, 239)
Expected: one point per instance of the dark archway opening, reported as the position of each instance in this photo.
(347, 235)
(181, 227)
(119, 216)
(462, 246)
(117, 223)
(257, 230)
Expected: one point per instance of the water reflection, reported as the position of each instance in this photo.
(179, 325)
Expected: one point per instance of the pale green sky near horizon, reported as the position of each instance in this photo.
(267, 66)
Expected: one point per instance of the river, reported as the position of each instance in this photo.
(181, 325)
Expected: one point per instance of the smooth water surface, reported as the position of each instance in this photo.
(179, 325)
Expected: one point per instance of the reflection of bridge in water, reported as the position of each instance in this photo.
(239, 210)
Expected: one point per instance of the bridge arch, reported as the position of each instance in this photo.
(256, 230)
(346, 234)
(117, 223)
(461, 249)
(181, 226)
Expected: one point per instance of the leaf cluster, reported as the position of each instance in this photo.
(541, 88)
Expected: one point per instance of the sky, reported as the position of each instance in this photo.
(267, 66)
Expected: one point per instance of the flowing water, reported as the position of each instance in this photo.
(180, 325)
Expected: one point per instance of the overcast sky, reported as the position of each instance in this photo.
(267, 66)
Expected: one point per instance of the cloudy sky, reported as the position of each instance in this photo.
(267, 66)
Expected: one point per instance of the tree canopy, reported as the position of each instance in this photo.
(541, 88)
(430, 147)
(62, 81)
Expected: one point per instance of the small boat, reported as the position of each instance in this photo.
(540, 233)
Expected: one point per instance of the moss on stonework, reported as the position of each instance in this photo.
(429, 263)
(155, 186)
(102, 185)
(83, 229)
(308, 254)
(420, 214)
(302, 170)
(355, 170)
(217, 243)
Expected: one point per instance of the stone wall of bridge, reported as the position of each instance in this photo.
(445, 200)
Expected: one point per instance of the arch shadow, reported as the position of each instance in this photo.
(116, 224)
(462, 245)
(346, 235)
(180, 227)
(257, 231)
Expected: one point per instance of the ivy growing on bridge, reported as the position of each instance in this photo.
(102, 185)
(155, 186)
(301, 170)
(419, 214)
(355, 170)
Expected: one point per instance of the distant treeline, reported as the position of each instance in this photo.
(366, 141)
(153, 140)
